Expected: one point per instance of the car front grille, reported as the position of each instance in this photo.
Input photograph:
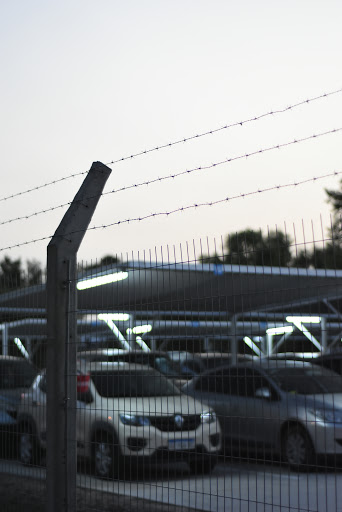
(170, 423)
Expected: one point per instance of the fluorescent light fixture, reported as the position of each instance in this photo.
(115, 317)
(280, 330)
(304, 319)
(140, 329)
(142, 344)
(21, 347)
(252, 345)
(116, 331)
(299, 322)
(101, 280)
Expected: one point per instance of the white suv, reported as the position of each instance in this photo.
(126, 413)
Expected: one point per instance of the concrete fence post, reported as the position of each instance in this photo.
(61, 347)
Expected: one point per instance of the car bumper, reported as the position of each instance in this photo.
(326, 437)
(150, 443)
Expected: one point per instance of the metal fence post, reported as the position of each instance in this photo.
(61, 347)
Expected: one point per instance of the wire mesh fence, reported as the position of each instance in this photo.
(205, 375)
(202, 383)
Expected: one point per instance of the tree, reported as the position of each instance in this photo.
(10, 274)
(330, 255)
(250, 247)
(13, 276)
(34, 272)
(105, 261)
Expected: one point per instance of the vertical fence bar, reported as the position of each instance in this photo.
(61, 348)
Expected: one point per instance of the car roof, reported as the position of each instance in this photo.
(117, 366)
(264, 364)
(13, 358)
(330, 355)
(112, 352)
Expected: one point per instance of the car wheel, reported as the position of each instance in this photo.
(107, 457)
(203, 464)
(28, 446)
(297, 448)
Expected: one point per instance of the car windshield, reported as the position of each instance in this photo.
(133, 384)
(306, 380)
(163, 365)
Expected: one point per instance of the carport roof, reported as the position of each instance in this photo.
(209, 288)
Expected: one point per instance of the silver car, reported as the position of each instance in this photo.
(289, 408)
(127, 415)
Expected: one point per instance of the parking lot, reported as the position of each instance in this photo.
(233, 486)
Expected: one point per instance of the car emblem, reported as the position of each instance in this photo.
(179, 421)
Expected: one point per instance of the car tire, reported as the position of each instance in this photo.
(108, 461)
(29, 451)
(297, 448)
(203, 464)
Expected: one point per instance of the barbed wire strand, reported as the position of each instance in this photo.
(179, 141)
(177, 175)
(227, 126)
(183, 208)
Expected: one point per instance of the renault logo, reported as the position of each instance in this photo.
(179, 421)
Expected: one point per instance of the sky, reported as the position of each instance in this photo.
(86, 81)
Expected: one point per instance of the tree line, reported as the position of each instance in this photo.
(276, 248)
(245, 247)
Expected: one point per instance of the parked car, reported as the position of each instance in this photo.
(289, 408)
(160, 361)
(127, 413)
(190, 364)
(16, 376)
(331, 360)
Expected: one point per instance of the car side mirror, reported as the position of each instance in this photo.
(263, 393)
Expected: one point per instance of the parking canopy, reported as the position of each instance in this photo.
(230, 289)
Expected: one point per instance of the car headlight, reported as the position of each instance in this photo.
(133, 420)
(328, 415)
(208, 417)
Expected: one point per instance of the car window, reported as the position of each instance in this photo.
(165, 366)
(239, 382)
(210, 383)
(213, 362)
(236, 381)
(16, 374)
(307, 380)
(332, 364)
(133, 384)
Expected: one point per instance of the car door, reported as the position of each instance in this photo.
(254, 407)
(210, 388)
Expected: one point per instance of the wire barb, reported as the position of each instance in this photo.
(185, 139)
(181, 173)
(183, 208)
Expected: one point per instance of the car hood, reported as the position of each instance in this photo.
(156, 406)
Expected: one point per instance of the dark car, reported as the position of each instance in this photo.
(158, 360)
(190, 365)
(16, 376)
(331, 360)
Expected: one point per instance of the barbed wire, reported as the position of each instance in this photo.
(177, 175)
(183, 208)
(179, 141)
(226, 127)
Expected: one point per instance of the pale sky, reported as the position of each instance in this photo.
(100, 80)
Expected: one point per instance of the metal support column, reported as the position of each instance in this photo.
(61, 345)
(324, 334)
(233, 339)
